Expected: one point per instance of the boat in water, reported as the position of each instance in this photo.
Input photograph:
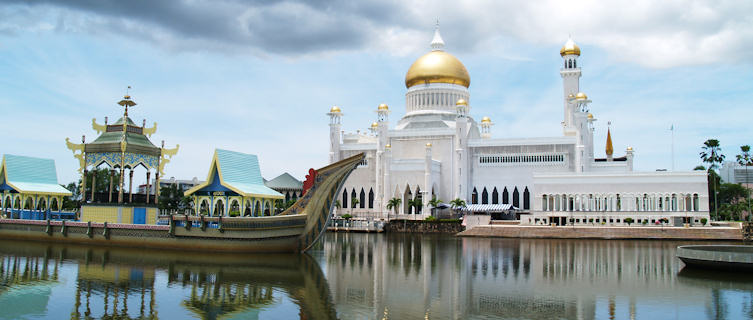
(728, 257)
(296, 229)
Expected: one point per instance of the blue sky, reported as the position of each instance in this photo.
(259, 77)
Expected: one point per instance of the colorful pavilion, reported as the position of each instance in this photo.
(234, 186)
(121, 146)
(29, 187)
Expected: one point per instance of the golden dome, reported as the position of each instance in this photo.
(335, 109)
(581, 96)
(590, 116)
(630, 149)
(461, 102)
(374, 125)
(437, 67)
(387, 146)
(571, 96)
(383, 106)
(486, 120)
(570, 48)
(428, 144)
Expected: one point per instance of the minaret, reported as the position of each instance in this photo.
(570, 74)
(486, 124)
(427, 179)
(609, 149)
(381, 173)
(583, 131)
(335, 116)
(461, 171)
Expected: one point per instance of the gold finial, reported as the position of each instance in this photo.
(609, 149)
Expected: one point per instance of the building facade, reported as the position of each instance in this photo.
(438, 149)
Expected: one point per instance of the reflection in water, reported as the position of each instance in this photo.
(370, 276)
(408, 276)
(130, 284)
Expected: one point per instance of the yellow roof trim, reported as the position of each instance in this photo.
(209, 181)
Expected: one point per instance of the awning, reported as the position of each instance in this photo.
(489, 207)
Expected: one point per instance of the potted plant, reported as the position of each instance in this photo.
(703, 221)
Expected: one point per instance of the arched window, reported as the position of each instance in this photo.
(345, 199)
(527, 200)
(484, 196)
(505, 196)
(219, 208)
(495, 196)
(619, 203)
(371, 198)
(362, 199)
(695, 202)
(204, 207)
(575, 63)
(29, 204)
(474, 196)
(352, 197)
(257, 209)
(515, 198)
(54, 205)
(544, 204)
(570, 64)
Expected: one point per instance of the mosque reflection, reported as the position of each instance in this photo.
(129, 284)
(409, 276)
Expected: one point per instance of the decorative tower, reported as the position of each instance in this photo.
(583, 131)
(427, 179)
(335, 125)
(570, 74)
(460, 169)
(486, 124)
(381, 167)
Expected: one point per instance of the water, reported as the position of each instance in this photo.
(368, 276)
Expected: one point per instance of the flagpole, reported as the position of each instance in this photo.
(672, 129)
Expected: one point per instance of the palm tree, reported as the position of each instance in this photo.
(434, 203)
(353, 203)
(712, 154)
(457, 204)
(745, 159)
(415, 203)
(393, 204)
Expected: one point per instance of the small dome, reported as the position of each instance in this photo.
(590, 116)
(571, 96)
(428, 144)
(437, 67)
(629, 148)
(461, 102)
(387, 146)
(335, 109)
(486, 120)
(581, 96)
(374, 125)
(570, 48)
(383, 106)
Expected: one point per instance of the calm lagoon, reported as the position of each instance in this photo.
(372, 276)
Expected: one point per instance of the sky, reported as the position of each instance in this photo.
(259, 76)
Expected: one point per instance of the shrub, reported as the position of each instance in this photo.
(347, 216)
(645, 221)
(703, 221)
(628, 220)
(431, 218)
(450, 220)
(234, 213)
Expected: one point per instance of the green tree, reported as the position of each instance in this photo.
(73, 202)
(457, 204)
(712, 154)
(171, 198)
(699, 168)
(353, 203)
(745, 159)
(416, 203)
(393, 204)
(434, 203)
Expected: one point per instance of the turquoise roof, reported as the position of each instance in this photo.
(240, 172)
(32, 175)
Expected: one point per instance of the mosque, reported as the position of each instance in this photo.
(438, 149)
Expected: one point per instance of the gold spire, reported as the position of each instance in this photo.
(610, 149)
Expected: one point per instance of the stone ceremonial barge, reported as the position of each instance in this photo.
(294, 230)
